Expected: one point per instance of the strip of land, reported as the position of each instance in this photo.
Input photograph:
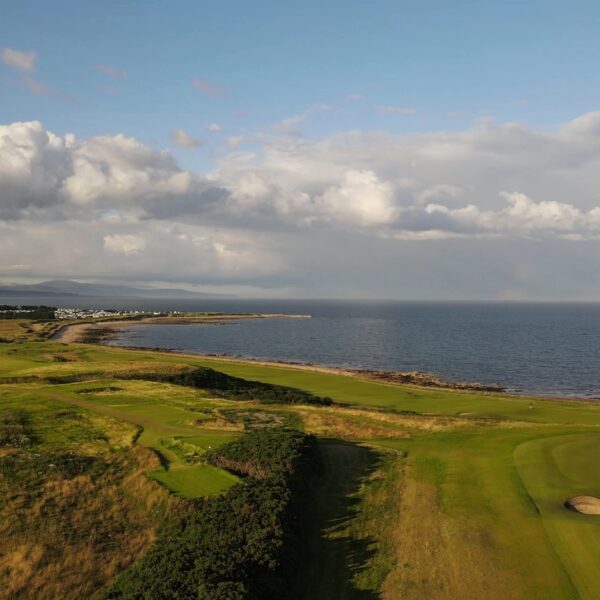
(80, 332)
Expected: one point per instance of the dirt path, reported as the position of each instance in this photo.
(333, 557)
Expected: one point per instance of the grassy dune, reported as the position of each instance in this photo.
(429, 493)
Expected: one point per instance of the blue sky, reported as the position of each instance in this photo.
(450, 62)
(337, 149)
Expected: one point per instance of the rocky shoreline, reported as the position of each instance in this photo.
(425, 379)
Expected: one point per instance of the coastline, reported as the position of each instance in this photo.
(73, 333)
(103, 331)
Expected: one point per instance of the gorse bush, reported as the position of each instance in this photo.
(265, 453)
(241, 545)
(222, 385)
(13, 429)
(35, 467)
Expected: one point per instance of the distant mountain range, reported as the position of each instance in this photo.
(66, 287)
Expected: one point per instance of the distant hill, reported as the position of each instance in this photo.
(67, 287)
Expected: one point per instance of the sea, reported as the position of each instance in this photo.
(537, 348)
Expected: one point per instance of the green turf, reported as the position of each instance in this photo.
(33, 359)
(482, 498)
(390, 396)
(554, 469)
(160, 412)
(194, 481)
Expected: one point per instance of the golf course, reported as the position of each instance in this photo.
(422, 492)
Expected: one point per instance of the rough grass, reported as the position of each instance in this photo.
(30, 360)
(21, 330)
(340, 551)
(62, 527)
(360, 424)
(12, 330)
(365, 393)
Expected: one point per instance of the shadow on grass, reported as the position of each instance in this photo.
(165, 463)
(334, 556)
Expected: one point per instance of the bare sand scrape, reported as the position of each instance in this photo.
(586, 505)
(71, 334)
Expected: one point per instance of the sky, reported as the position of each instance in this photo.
(400, 150)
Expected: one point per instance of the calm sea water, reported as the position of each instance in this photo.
(539, 348)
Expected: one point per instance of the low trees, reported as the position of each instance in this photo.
(241, 545)
(221, 385)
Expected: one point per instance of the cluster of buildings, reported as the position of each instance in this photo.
(94, 313)
(17, 310)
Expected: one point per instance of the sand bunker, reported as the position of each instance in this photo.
(587, 505)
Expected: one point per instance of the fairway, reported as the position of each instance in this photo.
(353, 390)
(32, 359)
(466, 524)
(554, 469)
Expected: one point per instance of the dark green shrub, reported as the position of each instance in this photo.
(241, 545)
(234, 388)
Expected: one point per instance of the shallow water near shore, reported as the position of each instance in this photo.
(536, 348)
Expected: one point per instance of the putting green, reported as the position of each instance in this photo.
(194, 481)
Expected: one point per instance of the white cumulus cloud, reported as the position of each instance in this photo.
(360, 198)
(280, 203)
